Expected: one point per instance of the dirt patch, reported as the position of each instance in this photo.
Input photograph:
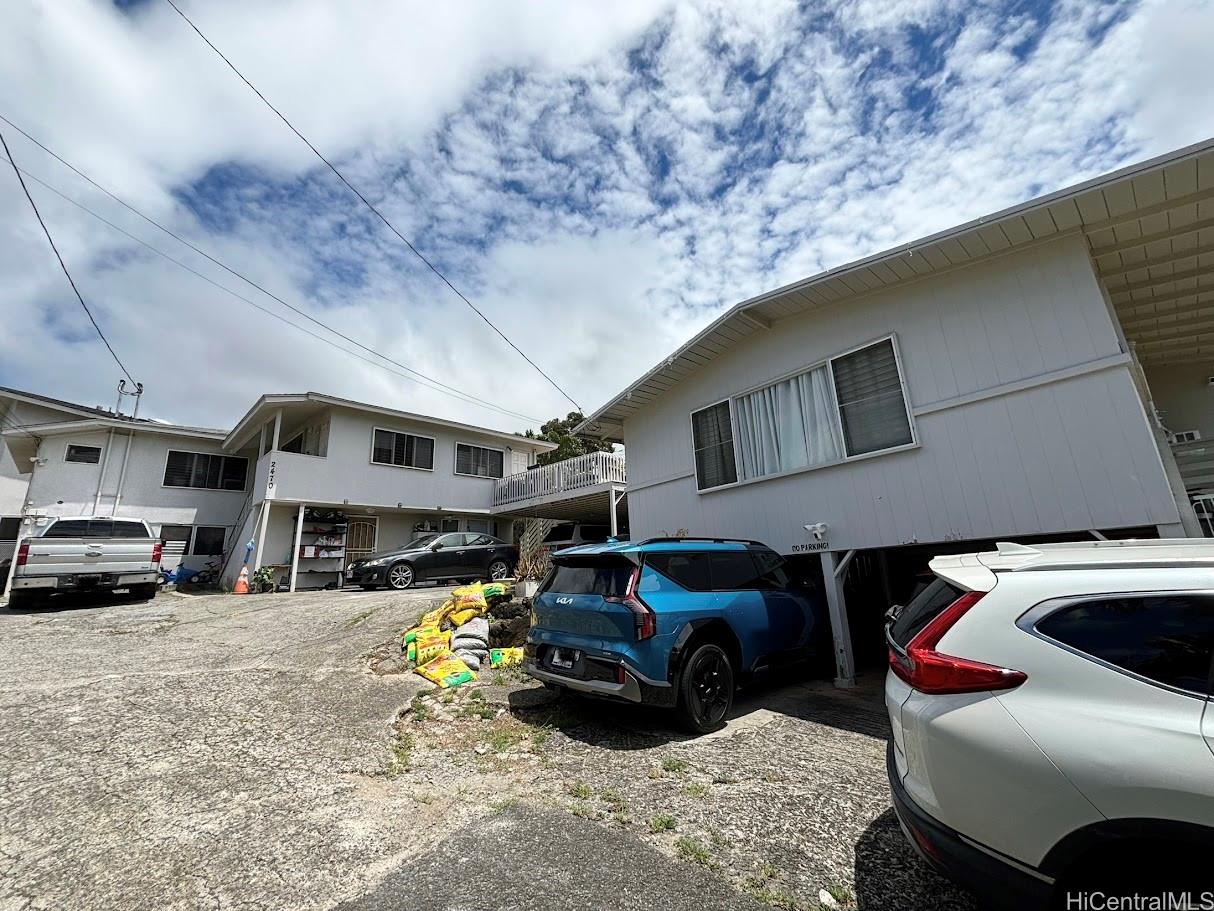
(789, 805)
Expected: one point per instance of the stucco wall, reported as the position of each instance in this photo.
(347, 474)
(14, 477)
(61, 488)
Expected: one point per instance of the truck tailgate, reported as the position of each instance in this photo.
(62, 556)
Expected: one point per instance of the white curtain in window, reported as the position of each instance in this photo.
(788, 425)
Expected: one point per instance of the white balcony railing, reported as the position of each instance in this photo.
(567, 477)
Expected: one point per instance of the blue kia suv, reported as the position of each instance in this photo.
(670, 621)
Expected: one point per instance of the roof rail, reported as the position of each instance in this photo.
(680, 540)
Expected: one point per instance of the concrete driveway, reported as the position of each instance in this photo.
(200, 752)
(237, 752)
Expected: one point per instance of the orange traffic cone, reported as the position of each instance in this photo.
(242, 584)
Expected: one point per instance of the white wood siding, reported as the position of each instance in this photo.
(1026, 415)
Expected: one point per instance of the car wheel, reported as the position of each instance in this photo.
(21, 600)
(706, 689)
(400, 576)
(499, 569)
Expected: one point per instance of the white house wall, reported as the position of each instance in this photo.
(1026, 417)
(61, 488)
(14, 478)
(347, 474)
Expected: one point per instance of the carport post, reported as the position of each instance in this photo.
(263, 525)
(295, 549)
(833, 570)
(615, 527)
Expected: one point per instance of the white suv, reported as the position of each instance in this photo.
(1052, 727)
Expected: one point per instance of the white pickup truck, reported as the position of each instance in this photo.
(86, 553)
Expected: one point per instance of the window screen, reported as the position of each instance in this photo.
(1167, 638)
(208, 540)
(712, 438)
(871, 404)
(10, 527)
(479, 461)
(90, 455)
(404, 449)
(205, 471)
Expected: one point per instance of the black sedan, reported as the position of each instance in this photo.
(455, 555)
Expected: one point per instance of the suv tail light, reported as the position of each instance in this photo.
(646, 619)
(930, 671)
(23, 553)
(157, 552)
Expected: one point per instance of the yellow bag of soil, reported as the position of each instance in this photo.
(438, 615)
(460, 617)
(446, 670)
(431, 646)
(470, 597)
(505, 657)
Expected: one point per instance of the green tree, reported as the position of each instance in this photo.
(560, 431)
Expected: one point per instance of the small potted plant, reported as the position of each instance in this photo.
(531, 569)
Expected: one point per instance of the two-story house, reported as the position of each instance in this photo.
(1044, 370)
(383, 474)
(366, 477)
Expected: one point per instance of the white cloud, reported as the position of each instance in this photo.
(602, 179)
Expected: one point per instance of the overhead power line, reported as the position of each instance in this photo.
(441, 386)
(278, 316)
(368, 204)
(62, 264)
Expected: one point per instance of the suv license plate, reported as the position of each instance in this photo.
(564, 657)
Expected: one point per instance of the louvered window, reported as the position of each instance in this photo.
(872, 406)
(478, 461)
(205, 471)
(402, 449)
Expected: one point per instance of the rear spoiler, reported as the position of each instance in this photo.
(964, 571)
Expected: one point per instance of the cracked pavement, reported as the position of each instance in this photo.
(200, 752)
(221, 752)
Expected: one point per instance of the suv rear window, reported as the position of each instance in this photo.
(1168, 638)
(590, 576)
(728, 570)
(922, 610)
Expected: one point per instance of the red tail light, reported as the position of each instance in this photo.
(157, 552)
(646, 619)
(930, 671)
(23, 554)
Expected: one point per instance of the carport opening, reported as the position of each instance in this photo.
(879, 578)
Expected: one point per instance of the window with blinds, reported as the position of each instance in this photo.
(872, 406)
(406, 450)
(205, 471)
(847, 406)
(479, 461)
(712, 438)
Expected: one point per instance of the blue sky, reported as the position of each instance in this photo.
(602, 179)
